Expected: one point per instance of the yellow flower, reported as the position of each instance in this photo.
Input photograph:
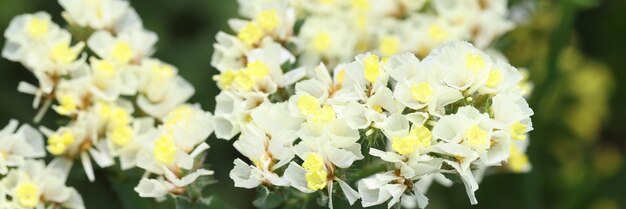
(313, 162)
(419, 137)
(67, 105)
(27, 194)
(316, 180)
(518, 131)
(122, 52)
(63, 54)
(121, 135)
(389, 45)
(475, 136)
(58, 143)
(164, 150)
(437, 33)
(268, 19)
(517, 160)
(494, 79)
(372, 68)
(251, 33)
(422, 92)
(474, 62)
(322, 41)
(37, 27)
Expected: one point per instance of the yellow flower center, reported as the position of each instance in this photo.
(37, 27)
(251, 33)
(377, 108)
(476, 137)
(518, 131)
(316, 180)
(389, 45)
(163, 72)
(321, 41)
(422, 92)
(494, 79)
(372, 68)
(178, 115)
(517, 160)
(258, 69)
(474, 62)
(226, 79)
(164, 150)
(27, 194)
(313, 161)
(244, 79)
(341, 75)
(361, 5)
(325, 115)
(63, 54)
(308, 104)
(316, 176)
(105, 68)
(67, 105)
(121, 135)
(437, 33)
(419, 137)
(122, 52)
(268, 19)
(310, 108)
(57, 143)
(119, 117)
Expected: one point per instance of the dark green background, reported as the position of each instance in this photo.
(186, 30)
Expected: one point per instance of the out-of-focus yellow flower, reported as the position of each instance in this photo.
(607, 161)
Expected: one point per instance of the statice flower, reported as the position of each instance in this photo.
(120, 104)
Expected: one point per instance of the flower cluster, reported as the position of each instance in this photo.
(457, 112)
(333, 31)
(119, 101)
(305, 113)
(27, 181)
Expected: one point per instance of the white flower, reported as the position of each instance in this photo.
(160, 87)
(127, 141)
(109, 81)
(178, 142)
(228, 53)
(380, 188)
(276, 18)
(17, 145)
(43, 47)
(262, 73)
(154, 188)
(421, 87)
(267, 142)
(79, 140)
(129, 46)
(328, 37)
(34, 185)
(512, 115)
(464, 67)
(99, 14)
(160, 187)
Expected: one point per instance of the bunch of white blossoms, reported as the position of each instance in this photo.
(28, 182)
(333, 31)
(119, 102)
(457, 112)
(303, 116)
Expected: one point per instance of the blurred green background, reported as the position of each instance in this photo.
(574, 50)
